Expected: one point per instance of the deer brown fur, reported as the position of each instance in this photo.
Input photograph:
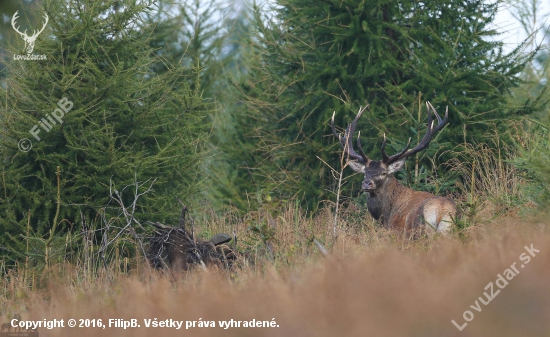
(393, 204)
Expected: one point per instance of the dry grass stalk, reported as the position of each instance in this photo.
(391, 290)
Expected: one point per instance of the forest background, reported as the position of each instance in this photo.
(225, 107)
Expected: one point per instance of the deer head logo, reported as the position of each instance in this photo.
(29, 40)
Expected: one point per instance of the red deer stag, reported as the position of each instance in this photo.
(393, 204)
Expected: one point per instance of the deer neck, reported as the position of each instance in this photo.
(386, 200)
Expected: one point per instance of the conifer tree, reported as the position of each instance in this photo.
(534, 158)
(311, 58)
(118, 120)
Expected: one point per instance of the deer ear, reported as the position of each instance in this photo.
(397, 166)
(357, 166)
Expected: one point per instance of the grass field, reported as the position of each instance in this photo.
(490, 276)
(372, 283)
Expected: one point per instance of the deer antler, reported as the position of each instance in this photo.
(346, 141)
(423, 143)
(35, 32)
(13, 19)
(43, 26)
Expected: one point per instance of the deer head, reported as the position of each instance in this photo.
(29, 40)
(376, 172)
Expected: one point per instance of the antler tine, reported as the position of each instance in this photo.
(367, 159)
(383, 150)
(13, 19)
(348, 136)
(431, 130)
(336, 134)
(393, 158)
(43, 26)
(346, 141)
(440, 122)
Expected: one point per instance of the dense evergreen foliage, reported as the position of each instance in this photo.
(234, 105)
(534, 156)
(126, 122)
(308, 61)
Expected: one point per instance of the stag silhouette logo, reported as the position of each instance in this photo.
(29, 40)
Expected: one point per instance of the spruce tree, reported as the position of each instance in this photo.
(311, 58)
(118, 120)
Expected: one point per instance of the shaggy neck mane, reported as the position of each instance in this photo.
(391, 197)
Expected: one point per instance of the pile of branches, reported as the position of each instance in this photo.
(178, 248)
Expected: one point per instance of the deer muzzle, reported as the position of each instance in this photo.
(368, 185)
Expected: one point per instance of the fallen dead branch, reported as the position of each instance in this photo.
(178, 248)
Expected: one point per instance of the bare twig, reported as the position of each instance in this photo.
(129, 216)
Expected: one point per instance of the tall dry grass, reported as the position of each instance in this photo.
(490, 185)
(392, 289)
(372, 283)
